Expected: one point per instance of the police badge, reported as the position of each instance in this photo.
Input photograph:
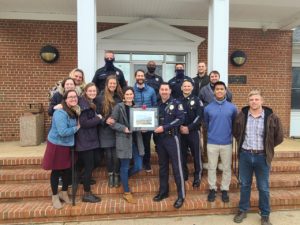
(180, 107)
(192, 102)
(156, 79)
(171, 107)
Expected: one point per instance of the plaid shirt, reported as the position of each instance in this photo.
(254, 133)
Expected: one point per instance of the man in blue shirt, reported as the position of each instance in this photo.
(144, 96)
(218, 117)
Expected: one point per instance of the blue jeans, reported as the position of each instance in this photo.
(125, 172)
(249, 163)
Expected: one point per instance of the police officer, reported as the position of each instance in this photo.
(109, 69)
(176, 82)
(152, 79)
(190, 132)
(171, 116)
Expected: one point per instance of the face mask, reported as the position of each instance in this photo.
(109, 63)
(151, 69)
(179, 73)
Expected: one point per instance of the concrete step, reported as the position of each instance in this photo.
(115, 207)
(38, 174)
(17, 192)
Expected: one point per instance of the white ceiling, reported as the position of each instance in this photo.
(267, 14)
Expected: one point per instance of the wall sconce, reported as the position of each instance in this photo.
(238, 58)
(49, 54)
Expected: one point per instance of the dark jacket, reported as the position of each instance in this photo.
(107, 135)
(193, 112)
(154, 81)
(102, 73)
(124, 141)
(273, 133)
(55, 100)
(87, 135)
(175, 84)
(199, 83)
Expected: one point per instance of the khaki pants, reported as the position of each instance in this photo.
(225, 153)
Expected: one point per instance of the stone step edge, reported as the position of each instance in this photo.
(108, 206)
(11, 161)
(138, 185)
(40, 174)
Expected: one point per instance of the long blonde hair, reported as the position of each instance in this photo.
(109, 102)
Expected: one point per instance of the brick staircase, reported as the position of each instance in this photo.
(25, 194)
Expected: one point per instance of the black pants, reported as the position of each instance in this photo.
(192, 141)
(54, 178)
(168, 149)
(112, 162)
(146, 142)
(87, 160)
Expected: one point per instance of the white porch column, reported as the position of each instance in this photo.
(87, 37)
(218, 37)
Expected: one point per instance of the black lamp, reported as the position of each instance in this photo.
(238, 58)
(49, 54)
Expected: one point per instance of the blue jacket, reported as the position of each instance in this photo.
(62, 129)
(144, 96)
(219, 117)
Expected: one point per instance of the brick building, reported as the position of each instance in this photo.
(25, 78)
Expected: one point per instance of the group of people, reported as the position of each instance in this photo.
(95, 117)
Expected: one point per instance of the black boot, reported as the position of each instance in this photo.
(89, 197)
(110, 180)
(117, 180)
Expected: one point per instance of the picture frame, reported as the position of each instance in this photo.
(143, 119)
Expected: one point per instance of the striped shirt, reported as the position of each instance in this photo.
(254, 134)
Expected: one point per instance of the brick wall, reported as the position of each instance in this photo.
(25, 78)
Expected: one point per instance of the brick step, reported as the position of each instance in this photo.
(115, 207)
(17, 192)
(38, 174)
(32, 162)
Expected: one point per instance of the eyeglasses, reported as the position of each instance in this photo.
(72, 97)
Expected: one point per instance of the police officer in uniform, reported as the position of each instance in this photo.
(152, 79)
(190, 131)
(176, 82)
(109, 69)
(171, 116)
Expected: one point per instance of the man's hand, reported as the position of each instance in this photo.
(184, 130)
(159, 130)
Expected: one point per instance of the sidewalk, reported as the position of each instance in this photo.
(277, 218)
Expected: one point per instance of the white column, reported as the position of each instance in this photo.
(87, 37)
(218, 37)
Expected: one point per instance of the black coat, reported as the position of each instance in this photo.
(87, 135)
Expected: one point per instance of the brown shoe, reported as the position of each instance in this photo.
(129, 198)
(63, 195)
(56, 202)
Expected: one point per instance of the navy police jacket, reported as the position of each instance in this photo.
(175, 84)
(171, 115)
(193, 112)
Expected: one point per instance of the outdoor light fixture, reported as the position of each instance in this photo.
(49, 54)
(238, 58)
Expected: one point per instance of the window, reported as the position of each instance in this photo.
(296, 88)
(129, 62)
